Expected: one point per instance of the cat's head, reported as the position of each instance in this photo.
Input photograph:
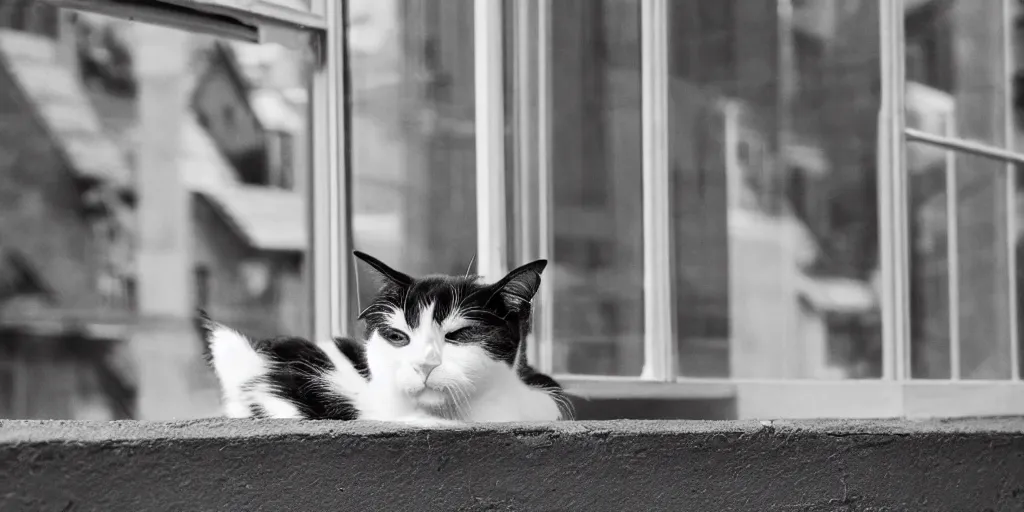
(441, 338)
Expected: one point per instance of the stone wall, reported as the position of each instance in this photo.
(654, 465)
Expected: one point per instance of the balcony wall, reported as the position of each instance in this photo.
(722, 466)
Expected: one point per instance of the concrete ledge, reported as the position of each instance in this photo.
(243, 465)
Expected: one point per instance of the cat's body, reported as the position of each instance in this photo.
(438, 349)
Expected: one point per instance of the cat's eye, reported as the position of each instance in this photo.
(459, 335)
(395, 337)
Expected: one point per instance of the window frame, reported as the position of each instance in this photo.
(330, 217)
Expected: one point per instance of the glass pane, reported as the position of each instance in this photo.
(930, 170)
(957, 87)
(945, 183)
(774, 168)
(956, 69)
(596, 230)
(145, 172)
(413, 137)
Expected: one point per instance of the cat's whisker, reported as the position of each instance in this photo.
(462, 403)
(565, 405)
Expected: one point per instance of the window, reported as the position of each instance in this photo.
(779, 233)
(123, 193)
(963, 317)
(807, 208)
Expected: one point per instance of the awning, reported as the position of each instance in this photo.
(266, 218)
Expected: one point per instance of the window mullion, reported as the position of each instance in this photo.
(1009, 132)
(330, 211)
(492, 250)
(527, 118)
(892, 199)
(953, 254)
(659, 346)
(545, 333)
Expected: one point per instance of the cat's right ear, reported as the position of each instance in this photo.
(386, 273)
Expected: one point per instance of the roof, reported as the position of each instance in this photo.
(202, 164)
(63, 107)
(268, 219)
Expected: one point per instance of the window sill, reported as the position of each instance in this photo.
(819, 399)
(602, 388)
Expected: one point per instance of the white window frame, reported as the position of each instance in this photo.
(332, 290)
(894, 395)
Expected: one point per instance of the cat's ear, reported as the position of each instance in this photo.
(386, 273)
(520, 285)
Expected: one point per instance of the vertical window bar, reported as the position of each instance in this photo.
(953, 254)
(659, 346)
(545, 209)
(524, 105)
(1009, 65)
(330, 211)
(892, 195)
(492, 253)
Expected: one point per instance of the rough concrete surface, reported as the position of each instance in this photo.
(249, 465)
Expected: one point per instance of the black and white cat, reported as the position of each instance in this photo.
(439, 349)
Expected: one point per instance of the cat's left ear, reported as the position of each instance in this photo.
(520, 285)
(386, 273)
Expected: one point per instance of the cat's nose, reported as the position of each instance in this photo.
(426, 367)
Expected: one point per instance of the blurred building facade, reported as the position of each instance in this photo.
(74, 115)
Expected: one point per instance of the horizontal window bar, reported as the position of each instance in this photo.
(965, 146)
(172, 16)
(256, 22)
(259, 10)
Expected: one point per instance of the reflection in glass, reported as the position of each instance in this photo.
(144, 172)
(930, 330)
(958, 346)
(956, 48)
(413, 135)
(773, 161)
(942, 182)
(597, 254)
(956, 87)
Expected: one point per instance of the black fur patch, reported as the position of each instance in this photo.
(538, 380)
(296, 368)
(355, 352)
